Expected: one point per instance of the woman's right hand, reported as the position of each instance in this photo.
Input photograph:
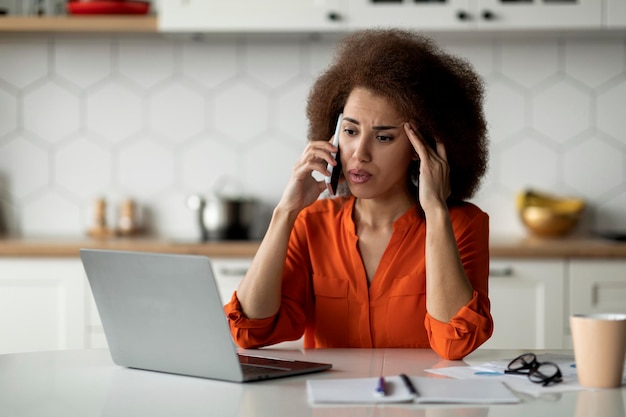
(302, 189)
(259, 292)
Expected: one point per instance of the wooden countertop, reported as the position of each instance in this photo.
(68, 247)
(571, 247)
(500, 247)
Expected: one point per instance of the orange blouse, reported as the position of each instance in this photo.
(326, 296)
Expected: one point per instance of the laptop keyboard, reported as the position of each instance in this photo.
(266, 364)
(258, 367)
(254, 370)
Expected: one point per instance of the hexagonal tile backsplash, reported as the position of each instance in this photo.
(157, 118)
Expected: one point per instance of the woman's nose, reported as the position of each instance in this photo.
(361, 150)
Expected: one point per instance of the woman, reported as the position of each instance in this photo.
(398, 260)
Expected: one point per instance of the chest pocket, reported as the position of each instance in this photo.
(408, 285)
(331, 311)
(405, 312)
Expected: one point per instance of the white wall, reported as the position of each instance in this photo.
(157, 119)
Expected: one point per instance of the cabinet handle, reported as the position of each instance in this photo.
(504, 271)
(462, 15)
(488, 15)
(334, 16)
(232, 272)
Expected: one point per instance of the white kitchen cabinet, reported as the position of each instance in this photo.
(228, 274)
(475, 14)
(526, 303)
(346, 15)
(87, 327)
(250, 15)
(47, 304)
(615, 14)
(42, 304)
(422, 15)
(595, 286)
(539, 14)
(94, 338)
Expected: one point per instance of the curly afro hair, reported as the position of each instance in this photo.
(440, 93)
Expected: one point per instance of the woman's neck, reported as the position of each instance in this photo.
(377, 214)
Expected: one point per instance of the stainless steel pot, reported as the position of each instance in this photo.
(223, 218)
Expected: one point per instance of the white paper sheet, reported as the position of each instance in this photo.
(430, 390)
(495, 371)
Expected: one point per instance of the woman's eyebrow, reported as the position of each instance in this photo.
(382, 127)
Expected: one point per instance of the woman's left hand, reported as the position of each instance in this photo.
(434, 175)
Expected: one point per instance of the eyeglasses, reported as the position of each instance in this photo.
(544, 373)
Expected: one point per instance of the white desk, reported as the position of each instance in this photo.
(85, 383)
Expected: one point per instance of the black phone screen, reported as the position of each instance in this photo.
(334, 177)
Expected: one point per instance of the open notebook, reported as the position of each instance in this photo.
(426, 390)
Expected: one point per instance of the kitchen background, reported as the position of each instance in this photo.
(158, 118)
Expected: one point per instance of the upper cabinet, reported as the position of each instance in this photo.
(538, 14)
(305, 16)
(476, 14)
(414, 14)
(344, 15)
(251, 15)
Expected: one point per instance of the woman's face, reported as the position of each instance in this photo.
(375, 151)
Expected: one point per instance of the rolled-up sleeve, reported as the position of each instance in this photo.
(473, 324)
(289, 322)
(467, 330)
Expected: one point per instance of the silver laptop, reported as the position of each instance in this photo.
(163, 312)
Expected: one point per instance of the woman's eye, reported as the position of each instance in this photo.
(349, 131)
(382, 138)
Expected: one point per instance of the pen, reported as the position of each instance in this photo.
(380, 388)
(409, 384)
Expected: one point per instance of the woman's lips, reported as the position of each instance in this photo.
(358, 176)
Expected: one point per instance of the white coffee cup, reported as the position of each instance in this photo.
(599, 349)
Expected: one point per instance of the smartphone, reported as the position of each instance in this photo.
(335, 171)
